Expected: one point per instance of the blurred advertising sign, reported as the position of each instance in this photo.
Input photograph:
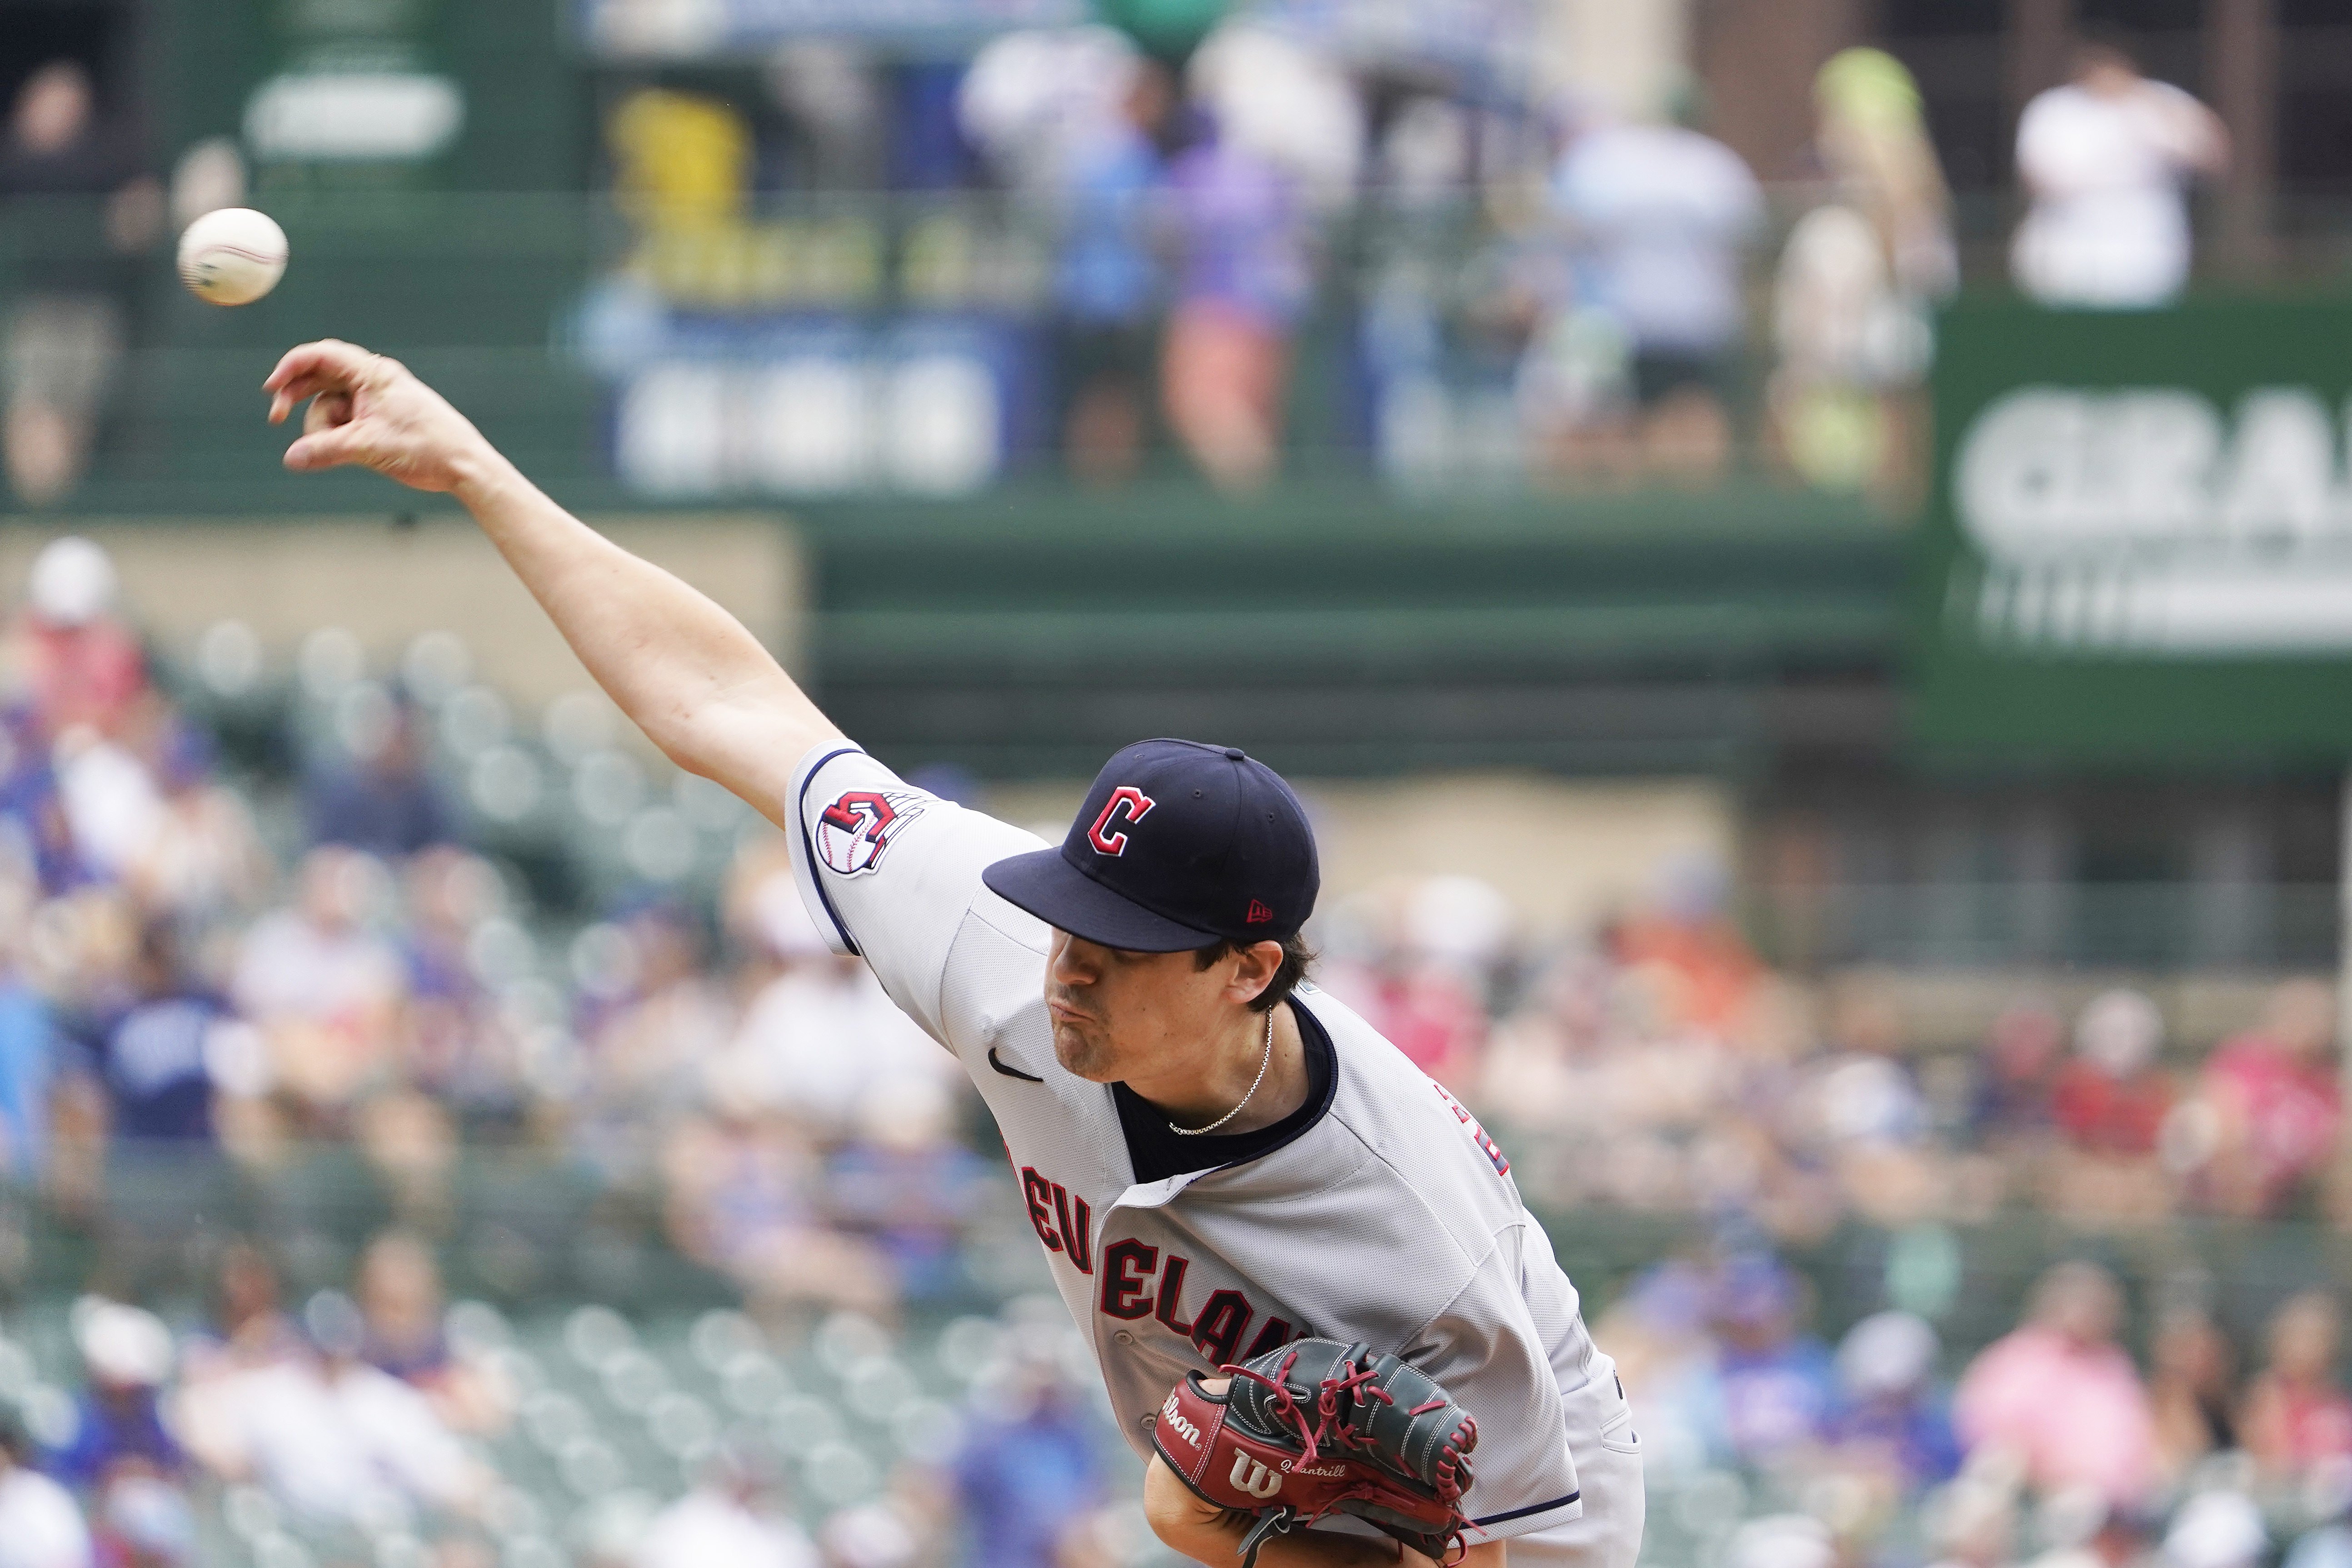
(2140, 536)
(694, 30)
(368, 96)
(808, 406)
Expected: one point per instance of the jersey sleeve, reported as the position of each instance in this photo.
(888, 871)
(1487, 1350)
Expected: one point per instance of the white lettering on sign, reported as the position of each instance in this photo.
(2144, 519)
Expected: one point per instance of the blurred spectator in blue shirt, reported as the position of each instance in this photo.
(155, 1061)
(1108, 281)
(28, 1049)
(1891, 1420)
(457, 1048)
(385, 801)
(1023, 1483)
(33, 827)
(118, 1427)
(906, 1182)
(1777, 1384)
(2010, 1109)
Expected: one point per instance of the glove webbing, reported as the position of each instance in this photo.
(1358, 1386)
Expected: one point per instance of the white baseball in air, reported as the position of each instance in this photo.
(232, 257)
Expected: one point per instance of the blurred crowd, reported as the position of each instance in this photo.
(210, 976)
(1560, 292)
(183, 1007)
(1478, 286)
(388, 1426)
(1553, 291)
(1663, 1067)
(2055, 1445)
(1197, 239)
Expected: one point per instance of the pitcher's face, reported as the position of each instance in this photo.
(1121, 1016)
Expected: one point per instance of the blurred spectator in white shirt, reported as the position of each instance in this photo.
(2105, 159)
(2218, 1529)
(654, 1019)
(112, 808)
(39, 1525)
(822, 1038)
(733, 1518)
(202, 857)
(333, 1439)
(1663, 216)
(323, 989)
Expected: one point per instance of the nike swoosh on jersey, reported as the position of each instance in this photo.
(1010, 1072)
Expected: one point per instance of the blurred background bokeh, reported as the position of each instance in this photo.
(1799, 552)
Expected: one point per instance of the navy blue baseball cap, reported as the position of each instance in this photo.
(1178, 844)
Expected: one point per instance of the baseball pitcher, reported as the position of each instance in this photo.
(1327, 1322)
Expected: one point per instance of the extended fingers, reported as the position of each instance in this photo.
(331, 356)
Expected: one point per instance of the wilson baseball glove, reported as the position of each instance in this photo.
(1318, 1428)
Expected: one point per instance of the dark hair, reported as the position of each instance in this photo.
(2099, 44)
(1295, 956)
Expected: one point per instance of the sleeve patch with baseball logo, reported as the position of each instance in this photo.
(851, 834)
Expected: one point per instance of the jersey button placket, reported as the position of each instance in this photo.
(1123, 1337)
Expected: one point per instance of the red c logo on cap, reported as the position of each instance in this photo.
(1127, 804)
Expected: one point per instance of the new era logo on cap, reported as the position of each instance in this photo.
(1177, 844)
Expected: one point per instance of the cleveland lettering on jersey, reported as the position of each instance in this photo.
(1130, 1267)
(1487, 1146)
(1066, 1227)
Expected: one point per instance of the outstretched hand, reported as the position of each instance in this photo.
(370, 411)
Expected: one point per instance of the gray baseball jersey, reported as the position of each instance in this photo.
(1390, 1216)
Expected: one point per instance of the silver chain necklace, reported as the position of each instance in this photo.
(1236, 1111)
